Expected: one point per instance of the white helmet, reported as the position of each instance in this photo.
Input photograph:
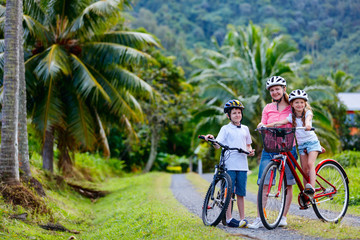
(275, 81)
(298, 94)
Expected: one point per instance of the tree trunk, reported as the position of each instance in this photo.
(65, 163)
(155, 137)
(48, 151)
(23, 133)
(9, 165)
(103, 139)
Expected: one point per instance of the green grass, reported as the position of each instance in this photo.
(139, 207)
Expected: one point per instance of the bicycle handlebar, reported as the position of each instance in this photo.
(274, 128)
(213, 141)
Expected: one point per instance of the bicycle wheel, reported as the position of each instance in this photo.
(223, 220)
(331, 192)
(217, 200)
(271, 199)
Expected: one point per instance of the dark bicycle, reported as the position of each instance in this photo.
(220, 191)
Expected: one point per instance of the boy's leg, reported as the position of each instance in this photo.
(232, 175)
(241, 206)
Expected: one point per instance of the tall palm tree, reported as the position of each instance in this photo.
(9, 164)
(79, 71)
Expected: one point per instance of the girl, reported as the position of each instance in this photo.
(307, 140)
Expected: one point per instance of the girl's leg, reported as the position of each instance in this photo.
(311, 167)
(304, 166)
(241, 206)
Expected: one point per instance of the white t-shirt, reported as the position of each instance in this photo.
(233, 136)
(303, 136)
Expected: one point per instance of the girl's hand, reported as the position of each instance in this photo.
(307, 127)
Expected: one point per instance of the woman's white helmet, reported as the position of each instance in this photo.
(298, 94)
(275, 81)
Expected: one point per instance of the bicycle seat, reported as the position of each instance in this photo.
(322, 150)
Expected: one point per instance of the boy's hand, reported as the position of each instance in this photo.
(208, 136)
(252, 153)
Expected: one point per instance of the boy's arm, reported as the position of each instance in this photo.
(207, 136)
(250, 149)
(282, 122)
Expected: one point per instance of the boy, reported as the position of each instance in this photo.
(237, 135)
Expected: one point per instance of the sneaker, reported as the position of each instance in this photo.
(233, 223)
(309, 190)
(283, 222)
(243, 223)
(256, 224)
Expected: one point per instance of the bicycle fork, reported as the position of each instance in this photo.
(281, 160)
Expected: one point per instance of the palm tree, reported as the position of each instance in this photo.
(239, 69)
(79, 71)
(9, 165)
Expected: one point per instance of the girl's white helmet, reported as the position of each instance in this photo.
(275, 81)
(298, 94)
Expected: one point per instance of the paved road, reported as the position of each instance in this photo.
(185, 193)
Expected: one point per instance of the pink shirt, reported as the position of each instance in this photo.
(270, 114)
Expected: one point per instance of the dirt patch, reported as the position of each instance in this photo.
(20, 195)
(57, 227)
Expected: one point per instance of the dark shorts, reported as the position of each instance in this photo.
(266, 158)
(239, 179)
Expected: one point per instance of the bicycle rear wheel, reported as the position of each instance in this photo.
(271, 198)
(332, 192)
(217, 200)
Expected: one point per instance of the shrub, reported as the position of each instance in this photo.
(348, 158)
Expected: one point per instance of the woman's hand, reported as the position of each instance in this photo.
(260, 125)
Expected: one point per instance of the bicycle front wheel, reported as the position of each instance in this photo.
(217, 200)
(331, 192)
(271, 196)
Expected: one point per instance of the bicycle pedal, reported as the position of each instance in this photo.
(304, 207)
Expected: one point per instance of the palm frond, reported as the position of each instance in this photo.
(106, 53)
(84, 80)
(131, 39)
(54, 62)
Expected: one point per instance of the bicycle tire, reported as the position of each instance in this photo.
(271, 207)
(331, 208)
(217, 200)
(223, 220)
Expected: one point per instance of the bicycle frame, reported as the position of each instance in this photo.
(290, 160)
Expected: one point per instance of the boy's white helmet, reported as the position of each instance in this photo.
(298, 94)
(275, 81)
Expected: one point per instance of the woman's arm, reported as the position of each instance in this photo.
(282, 122)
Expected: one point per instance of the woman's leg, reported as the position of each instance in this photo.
(289, 197)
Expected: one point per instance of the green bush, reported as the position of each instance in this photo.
(348, 158)
(98, 167)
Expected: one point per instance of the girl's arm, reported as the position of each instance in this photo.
(308, 121)
(282, 122)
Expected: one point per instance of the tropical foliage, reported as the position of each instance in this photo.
(78, 70)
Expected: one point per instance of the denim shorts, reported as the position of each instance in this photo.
(310, 147)
(239, 179)
(266, 158)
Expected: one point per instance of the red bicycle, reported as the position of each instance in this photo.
(331, 198)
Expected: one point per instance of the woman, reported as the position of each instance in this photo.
(278, 110)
